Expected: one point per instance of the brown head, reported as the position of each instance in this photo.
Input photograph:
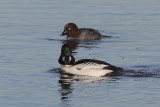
(71, 30)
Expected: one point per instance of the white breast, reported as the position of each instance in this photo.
(90, 69)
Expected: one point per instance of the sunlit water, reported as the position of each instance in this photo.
(30, 46)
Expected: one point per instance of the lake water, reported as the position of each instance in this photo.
(30, 46)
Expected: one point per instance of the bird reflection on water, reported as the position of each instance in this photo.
(81, 44)
(67, 80)
(65, 85)
(75, 44)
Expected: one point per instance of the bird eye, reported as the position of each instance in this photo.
(69, 28)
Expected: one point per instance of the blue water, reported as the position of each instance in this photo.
(30, 46)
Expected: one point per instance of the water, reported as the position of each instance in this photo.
(30, 46)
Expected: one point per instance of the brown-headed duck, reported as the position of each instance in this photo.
(75, 33)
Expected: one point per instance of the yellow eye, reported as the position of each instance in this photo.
(69, 28)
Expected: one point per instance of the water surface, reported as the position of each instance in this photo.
(30, 46)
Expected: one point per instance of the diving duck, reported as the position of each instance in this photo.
(75, 33)
(89, 67)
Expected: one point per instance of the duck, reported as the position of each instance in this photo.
(75, 33)
(87, 67)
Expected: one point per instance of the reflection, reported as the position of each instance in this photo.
(67, 80)
(64, 81)
(74, 44)
(65, 85)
